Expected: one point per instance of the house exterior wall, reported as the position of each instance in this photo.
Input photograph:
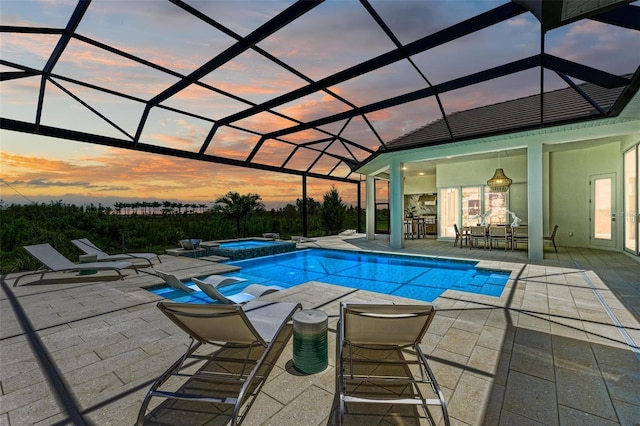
(420, 185)
(478, 172)
(569, 190)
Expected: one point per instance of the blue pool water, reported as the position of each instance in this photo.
(247, 244)
(420, 278)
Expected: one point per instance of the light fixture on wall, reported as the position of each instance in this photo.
(499, 182)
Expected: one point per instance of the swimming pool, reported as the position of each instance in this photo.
(415, 277)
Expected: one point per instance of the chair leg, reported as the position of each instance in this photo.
(176, 366)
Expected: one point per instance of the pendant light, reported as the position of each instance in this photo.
(499, 182)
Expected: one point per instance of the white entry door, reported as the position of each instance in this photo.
(603, 211)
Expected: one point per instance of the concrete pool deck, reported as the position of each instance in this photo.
(555, 348)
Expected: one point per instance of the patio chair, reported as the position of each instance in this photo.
(251, 292)
(478, 233)
(552, 238)
(54, 261)
(394, 332)
(174, 282)
(177, 284)
(231, 381)
(464, 236)
(519, 234)
(89, 248)
(498, 234)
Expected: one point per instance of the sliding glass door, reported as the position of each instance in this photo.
(468, 206)
(471, 205)
(495, 207)
(449, 206)
(382, 218)
(631, 201)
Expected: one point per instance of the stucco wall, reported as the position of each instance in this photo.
(569, 173)
(420, 185)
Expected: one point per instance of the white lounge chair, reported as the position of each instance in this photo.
(251, 292)
(395, 332)
(175, 282)
(237, 378)
(54, 261)
(89, 248)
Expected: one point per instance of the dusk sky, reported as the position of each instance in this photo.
(333, 36)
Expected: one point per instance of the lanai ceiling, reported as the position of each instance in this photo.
(307, 88)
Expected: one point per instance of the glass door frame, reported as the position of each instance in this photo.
(631, 213)
(378, 222)
(611, 216)
(381, 189)
(445, 229)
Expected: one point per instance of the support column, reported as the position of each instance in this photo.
(371, 207)
(396, 205)
(305, 221)
(359, 207)
(535, 200)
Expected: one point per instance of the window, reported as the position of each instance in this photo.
(471, 205)
(496, 203)
(467, 205)
(449, 205)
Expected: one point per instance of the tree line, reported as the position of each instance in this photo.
(155, 207)
(233, 215)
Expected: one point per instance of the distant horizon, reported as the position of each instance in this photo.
(80, 200)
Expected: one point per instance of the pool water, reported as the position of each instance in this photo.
(420, 278)
(246, 244)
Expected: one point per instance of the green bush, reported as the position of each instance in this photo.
(122, 230)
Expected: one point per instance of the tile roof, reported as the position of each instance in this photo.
(560, 106)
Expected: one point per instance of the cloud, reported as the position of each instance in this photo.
(115, 173)
(519, 22)
(596, 44)
(48, 184)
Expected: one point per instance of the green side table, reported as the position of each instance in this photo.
(88, 258)
(310, 352)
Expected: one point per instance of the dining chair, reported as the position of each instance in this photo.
(519, 234)
(552, 238)
(498, 234)
(478, 233)
(460, 236)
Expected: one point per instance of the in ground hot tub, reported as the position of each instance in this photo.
(250, 247)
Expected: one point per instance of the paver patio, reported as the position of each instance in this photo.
(558, 347)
